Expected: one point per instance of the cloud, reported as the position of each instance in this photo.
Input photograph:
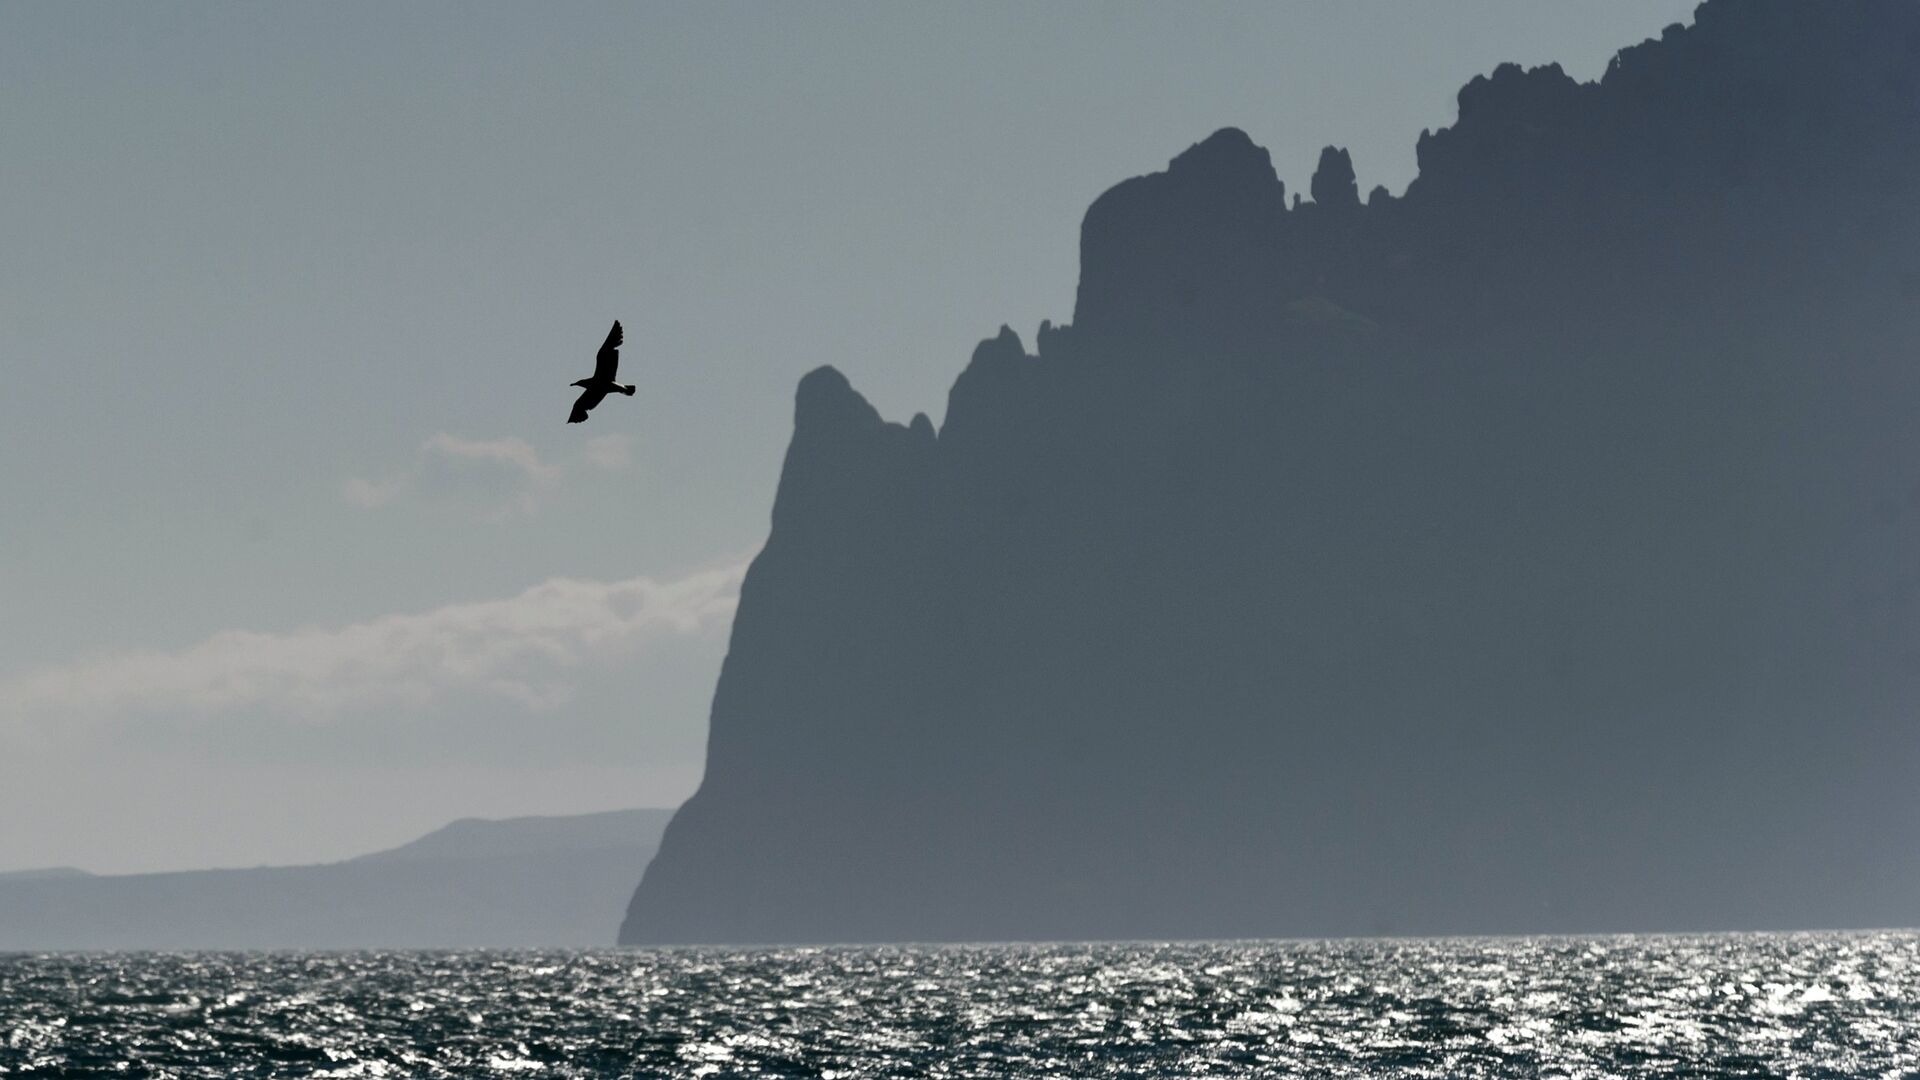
(510, 453)
(500, 477)
(369, 494)
(528, 650)
(610, 452)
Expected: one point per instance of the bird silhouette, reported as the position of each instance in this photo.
(601, 384)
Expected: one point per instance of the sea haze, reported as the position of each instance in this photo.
(1718, 1006)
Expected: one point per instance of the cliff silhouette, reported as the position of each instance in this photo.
(1536, 550)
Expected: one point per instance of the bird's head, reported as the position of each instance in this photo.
(581, 383)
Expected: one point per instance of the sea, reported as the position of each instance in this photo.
(1758, 1005)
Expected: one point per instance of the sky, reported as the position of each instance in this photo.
(298, 557)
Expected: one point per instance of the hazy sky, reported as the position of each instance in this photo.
(301, 558)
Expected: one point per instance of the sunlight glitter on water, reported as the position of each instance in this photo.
(1746, 1005)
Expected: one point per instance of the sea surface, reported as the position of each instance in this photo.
(1788, 1005)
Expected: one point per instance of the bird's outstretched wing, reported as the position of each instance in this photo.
(608, 361)
(585, 402)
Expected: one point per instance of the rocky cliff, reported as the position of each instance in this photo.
(1536, 550)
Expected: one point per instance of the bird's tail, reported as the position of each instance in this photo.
(627, 390)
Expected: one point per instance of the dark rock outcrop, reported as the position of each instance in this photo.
(1537, 550)
(1334, 186)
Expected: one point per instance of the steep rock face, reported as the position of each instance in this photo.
(1538, 550)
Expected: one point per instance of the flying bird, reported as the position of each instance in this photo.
(601, 384)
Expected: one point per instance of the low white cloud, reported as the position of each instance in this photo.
(499, 477)
(610, 452)
(528, 650)
(368, 494)
(514, 455)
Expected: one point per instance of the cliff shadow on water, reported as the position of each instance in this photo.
(1536, 550)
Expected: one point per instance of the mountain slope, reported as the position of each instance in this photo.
(485, 838)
